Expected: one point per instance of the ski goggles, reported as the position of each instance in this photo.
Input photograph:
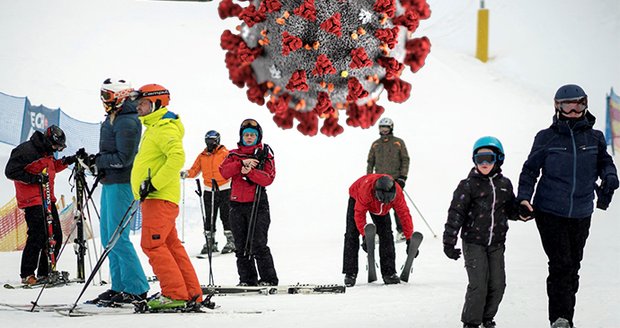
(249, 123)
(576, 105)
(481, 158)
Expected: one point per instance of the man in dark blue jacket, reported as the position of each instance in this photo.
(118, 145)
(572, 157)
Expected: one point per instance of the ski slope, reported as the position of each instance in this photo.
(58, 53)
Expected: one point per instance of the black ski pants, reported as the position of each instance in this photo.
(222, 205)
(487, 282)
(387, 254)
(35, 252)
(260, 258)
(563, 240)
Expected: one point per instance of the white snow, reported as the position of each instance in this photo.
(57, 53)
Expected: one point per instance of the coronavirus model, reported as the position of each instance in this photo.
(318, 59)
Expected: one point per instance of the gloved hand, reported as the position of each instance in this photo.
(184, 174)
(68, 160)
(525, 214)
(452, 252)
(145, 189)
(401, 181)
(602, 198)
(364, 244)
(610, 183)
(41, 179)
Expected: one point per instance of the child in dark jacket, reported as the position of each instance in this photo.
(481, 207)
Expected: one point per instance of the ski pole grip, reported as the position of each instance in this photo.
(198, 188)
(214, 186)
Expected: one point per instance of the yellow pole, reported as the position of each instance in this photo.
(482, 44)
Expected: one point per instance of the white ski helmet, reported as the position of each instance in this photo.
(386, 121)
(114, 92)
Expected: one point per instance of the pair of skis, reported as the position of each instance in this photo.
(274, 290)
(370, 230)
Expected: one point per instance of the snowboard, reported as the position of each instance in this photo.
(369, 232)
(416, 239)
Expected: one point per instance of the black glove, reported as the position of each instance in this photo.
(364, 247)
(41, 179)
(68, 160)
(452, 252)
(524, 211)
(401, 181)
(602, 198)
(610, 183)
(146, 188)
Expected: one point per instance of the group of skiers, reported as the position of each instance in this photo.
(144, 167)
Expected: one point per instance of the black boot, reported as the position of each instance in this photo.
(392, 279)
(349, 279)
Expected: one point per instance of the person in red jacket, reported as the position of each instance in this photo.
(24, 167)
(377, 194)
(251, 168)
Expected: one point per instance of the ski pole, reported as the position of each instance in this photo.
(214, 188)
(420, 213)
(106, 251)
(183, 215)
(202, 208)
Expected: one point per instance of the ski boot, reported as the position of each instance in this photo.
(126, 298)
(230, 242)
(488, 323)
(210, 242)
(161, 303)
(349, 279)
(470, 325)
(30, 280)
(104, 298)
(561, 323)
(391, 279)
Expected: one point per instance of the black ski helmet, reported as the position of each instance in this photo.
(56, 136)
(252, 124)
(570, 92)
(385, 189)
(212, 137)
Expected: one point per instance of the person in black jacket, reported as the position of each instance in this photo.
(24, 167)
(571, 156)
(481, 207)
(118, 145)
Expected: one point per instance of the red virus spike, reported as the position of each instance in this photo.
(256, 93)
(388, 35)
(309, 123)
(228, 9)
(271, 5)
(359, 58)
(229, 41)
(297, 82)
(251, 16)
(420, 6)
(324, 105)
(323, 66)
(332, 25)
(410, 19)
(393, 68)
(417, 50)
(387, 7)
(246, 54)
(290, 43)
(356, 90)
(397, 89)
(331, 128)
(307, 10)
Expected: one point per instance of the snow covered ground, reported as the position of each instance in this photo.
(58, 53)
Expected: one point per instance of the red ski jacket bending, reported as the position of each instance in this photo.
(363, 191)
(244, 185)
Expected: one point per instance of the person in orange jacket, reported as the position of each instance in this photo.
(208, 162)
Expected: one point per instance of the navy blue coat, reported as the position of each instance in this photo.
(118, 144)
(571, 161)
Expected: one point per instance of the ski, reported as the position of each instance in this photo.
(37, 308)
(274, 290)
(62, 279)
(370, 231)
(416, 239)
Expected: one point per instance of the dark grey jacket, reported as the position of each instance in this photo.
(118, 144)
(388, 155)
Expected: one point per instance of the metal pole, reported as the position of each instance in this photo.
(420, 213)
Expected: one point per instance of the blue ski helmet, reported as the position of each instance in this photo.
(491, 143)
(212, 136)
(570, 92)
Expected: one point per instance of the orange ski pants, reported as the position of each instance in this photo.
(167, 256)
